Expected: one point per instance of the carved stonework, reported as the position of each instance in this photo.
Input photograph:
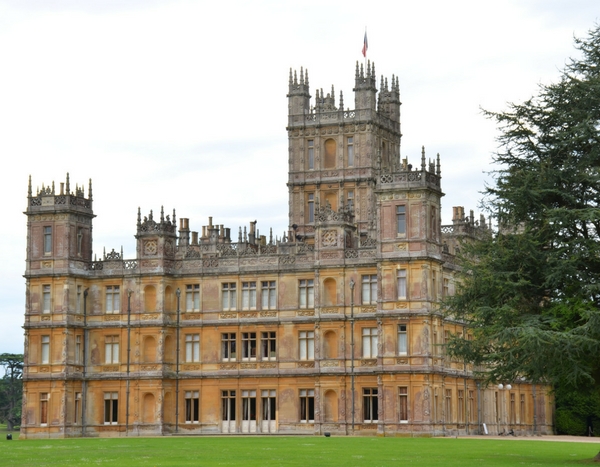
(268, 314)
(247, 366)
(329, 238)
(368, 362)
(401, 305)
(305, 313)
(230, 315)
(248, 314)
(112, 318)
(330, 310)
(329, 363)
(268, 365)
(305, 364)
(228, 366)
(368, 309)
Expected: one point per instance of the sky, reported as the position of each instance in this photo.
(182, 104)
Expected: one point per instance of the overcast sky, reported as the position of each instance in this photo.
(183, 103)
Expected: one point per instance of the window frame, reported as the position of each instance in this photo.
(307, 405)
(369, 289)
(111, 349)
(192, 297)
(306, 293)
(46, 299)
(310, 154)
(249, 295)
(47, 240)
(268, 345)
(370, 405)
(228, 347)
(402, 284)
(111, 408)
(370, 342)
(306, 345)
(310, 201)
(112, 305)
(350, 150)
(268, 295)
(401, 220)
(403, 339)
(192, 407)
(403, 404)
(192, 348)
(45, 349)
(249, 346)
(229, 296)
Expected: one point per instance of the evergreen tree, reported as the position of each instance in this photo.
(11, 389)
(531, 291)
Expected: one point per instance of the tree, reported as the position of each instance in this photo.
(11, 389)
(531, 291)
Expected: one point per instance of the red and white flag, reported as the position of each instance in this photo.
(365, 46)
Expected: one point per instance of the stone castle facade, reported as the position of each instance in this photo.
(335, 327)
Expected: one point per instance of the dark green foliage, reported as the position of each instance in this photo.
(531, 292)
(11, 389)
(578, 410)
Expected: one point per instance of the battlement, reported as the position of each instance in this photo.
(47, 199)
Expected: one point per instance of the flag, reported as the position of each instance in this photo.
(365, 46)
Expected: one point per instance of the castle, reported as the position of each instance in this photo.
(333, 328)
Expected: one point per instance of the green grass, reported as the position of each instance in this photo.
(294, 451)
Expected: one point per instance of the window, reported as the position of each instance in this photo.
(461, 405)
(522, 408)
(311, 207)
(350, 197)
(268, 405)
(249, 405)
(192, 406)
(401, 281)
(402, 340)
(43, 408)
(369, 289)
(370, 405)
(330, 154)
(350, 148)
(113, 299)
(311, 154)
(192, 347)
(434, 292)
(472, 412)
(228, 405)
(403, 404)
(45, 299)
(307, 293)
(47, 240)
(446, 288)
(77, 350)
(77, 409)
(45, 349)
(229, 296)
(111, 349)
(192, 297)
(448, 405)
(248, 346)
(401, 220)
(228, 346)
(268, 295)
(268, 345)
(78, 306)
(369, 342)
(111, 408)
(79, 241)
(307, 405)
(248, 295)
(512, 413)
(306, 340)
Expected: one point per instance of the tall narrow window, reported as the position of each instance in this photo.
(43, 408)
(45, 349)
(512, 412)
(47, 240)
(78, 304)
(111, 349)
(350, 199)
(350, 148)
(401, 220)
(45, 299)
(249, 405)
(434, 292)
(522, 408)
(401, 281)
(306, 340)
(228, 346)
(268, 295)
(228, 405)
(77, 409)
(229, 296)
(370, 405)
(111, 408)
(192, 347)
(330, 154)
(79, 241)
(311, 207)
(307, 405)
(402, 340)
(311, 154)
(113, 299)
(248, 346)
(269, 407)
(369, 342)
(448, 405)
(446, 288)
(369, 289)
(268, 345)
(307, 293)
(403, 404)
(77, 350)
(192, 297)
(461, 405)
(248, 295)
(192, 406)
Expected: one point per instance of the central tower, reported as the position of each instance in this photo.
(336, 155)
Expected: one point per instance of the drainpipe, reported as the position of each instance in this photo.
(83, 373)
(178, 293)
(128, 361)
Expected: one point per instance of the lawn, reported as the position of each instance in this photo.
(294, 451)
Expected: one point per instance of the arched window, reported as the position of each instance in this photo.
(149, 349)
(330, 349)
(148, 409)
(330, 292)
(331, 406)
(169, 299)
(149, 298)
